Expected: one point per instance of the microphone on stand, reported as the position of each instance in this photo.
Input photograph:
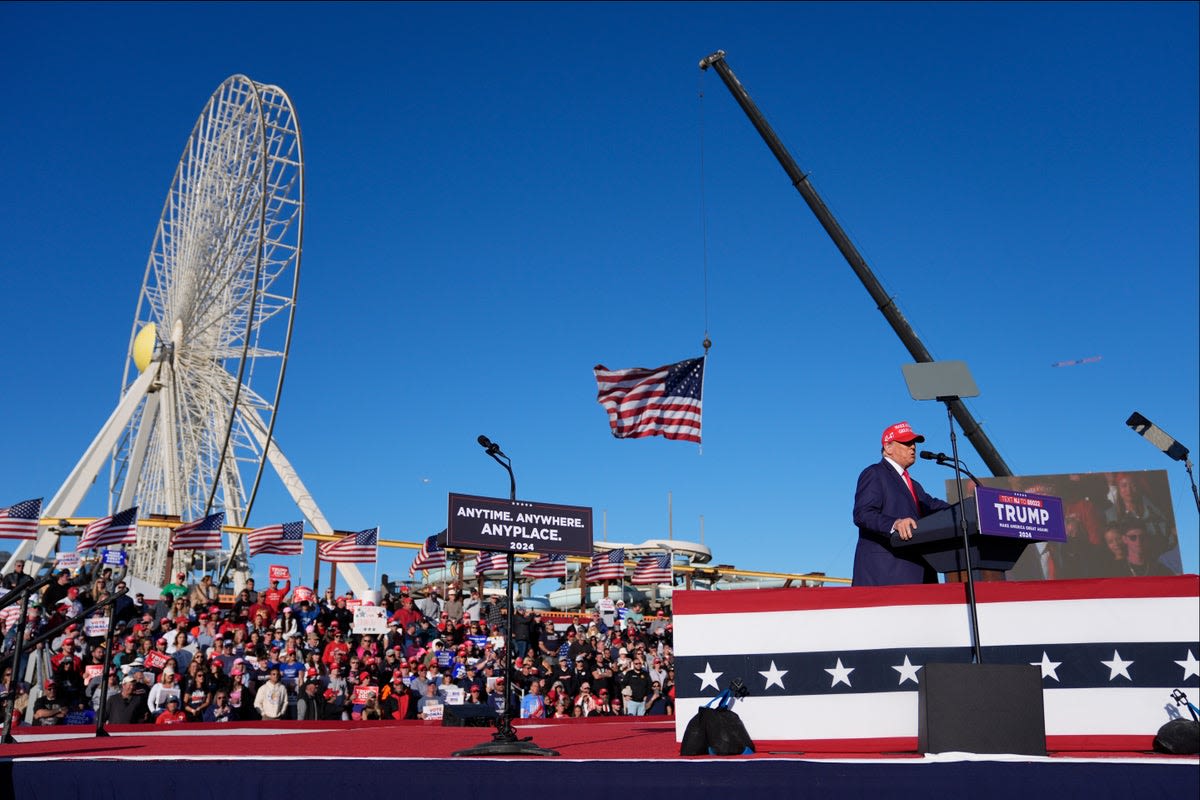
(487, 444)
(948, 461)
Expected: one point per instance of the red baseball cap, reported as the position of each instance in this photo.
(901, 432)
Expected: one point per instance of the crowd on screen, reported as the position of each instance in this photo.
(186, 658)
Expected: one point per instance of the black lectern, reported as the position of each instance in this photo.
(938, 541)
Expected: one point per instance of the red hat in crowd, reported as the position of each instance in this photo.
(900, 432)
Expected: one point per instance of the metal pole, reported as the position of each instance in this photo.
(885, 303)
(102, 714)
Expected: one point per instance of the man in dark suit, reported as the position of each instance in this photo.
(887, 500)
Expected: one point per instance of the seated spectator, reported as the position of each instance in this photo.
(49, 709)
(162, 691)
(220, 709)
(533, 705)
(311, 704)
(430, 703)
(172, 714)
(271, 700)
(128, 707)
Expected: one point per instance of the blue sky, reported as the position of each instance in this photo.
(500, 196)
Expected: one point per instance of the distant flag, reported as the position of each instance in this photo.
(490, 562)
(353, 548)
(203, 534)
(120, 528)
(430, 556)
(653, 402)
(20, 520)
(286, 539)
(652, 569)
(607, 566)
(550, 565)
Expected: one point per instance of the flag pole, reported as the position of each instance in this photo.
(375, 574)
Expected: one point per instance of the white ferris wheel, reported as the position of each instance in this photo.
(193, 431)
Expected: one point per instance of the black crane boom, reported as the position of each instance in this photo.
(884, 302)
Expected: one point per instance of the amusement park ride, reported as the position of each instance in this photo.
(193, 429)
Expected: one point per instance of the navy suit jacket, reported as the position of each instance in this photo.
(881, 498)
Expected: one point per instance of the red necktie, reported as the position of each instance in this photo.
(912, 490)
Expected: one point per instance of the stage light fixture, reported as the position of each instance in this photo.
(1157, 436)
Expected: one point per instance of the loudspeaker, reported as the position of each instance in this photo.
(468, 715)
(981, 708)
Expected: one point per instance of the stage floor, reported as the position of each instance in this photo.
(597, 758)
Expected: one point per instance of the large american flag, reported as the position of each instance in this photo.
(607, 566)
(490, 562)
(550, 565)
(652, 569)
(20, 520)
(202, 534)
(653, 402)
(120, 528)
(285, 539)
(430, 556)
(353, 548)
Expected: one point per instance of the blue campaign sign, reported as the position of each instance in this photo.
(113, 558)
(493, 524)
(1020, 515)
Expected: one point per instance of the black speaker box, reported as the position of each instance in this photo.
(981, 708)
(468, 715)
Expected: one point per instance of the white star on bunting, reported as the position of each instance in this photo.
(1117, 666)
(1049, 668)
(708, 677)
(773, 676)
(1190, 666)
(840, 674)
(907, 670)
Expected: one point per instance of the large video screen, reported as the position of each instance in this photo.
(1118, 524)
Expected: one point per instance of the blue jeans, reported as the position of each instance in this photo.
(635, 708)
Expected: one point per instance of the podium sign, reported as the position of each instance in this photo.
(493, 524)
(1020, 515)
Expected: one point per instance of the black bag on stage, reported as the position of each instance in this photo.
(716, 730)
(1178, 737)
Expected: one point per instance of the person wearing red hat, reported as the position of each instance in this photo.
(888, 500)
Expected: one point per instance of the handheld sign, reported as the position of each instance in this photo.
(95, 627)
(364, 693)
(278, 573)
(69, 561)
(113, 558)
(370, 619)
(155, 660)
(1020, 515)
(494, 524)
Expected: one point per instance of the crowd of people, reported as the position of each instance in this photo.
(186, 658)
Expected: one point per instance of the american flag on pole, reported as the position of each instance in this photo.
(653, 402)
(652, 569)
(430, 556)
(20, 520)
(286, 539)
(120, 528)
(607, 566)
(490, 562)
(353, 548)
(202, 534)
(550, 565)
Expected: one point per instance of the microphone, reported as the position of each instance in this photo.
(941, 458)
(487, 444)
